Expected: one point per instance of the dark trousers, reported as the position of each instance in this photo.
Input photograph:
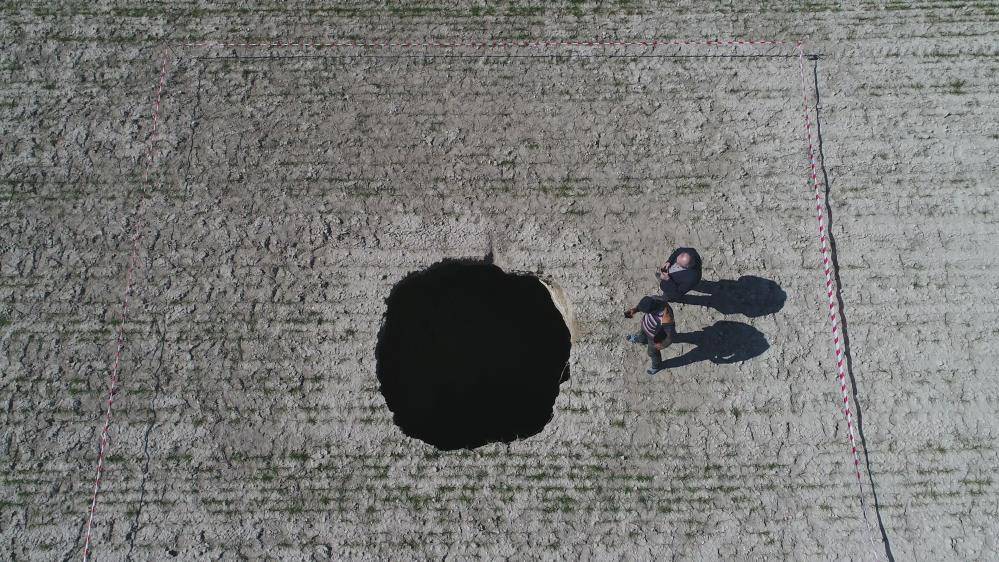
(654, 354)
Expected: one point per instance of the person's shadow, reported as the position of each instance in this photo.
(723, 342)
(750, 296)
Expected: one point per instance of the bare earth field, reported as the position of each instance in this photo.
(280, 192)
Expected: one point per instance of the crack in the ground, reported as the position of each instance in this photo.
(135, 526)
(194, 126)
(69, 555)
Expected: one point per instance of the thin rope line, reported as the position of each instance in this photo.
(488, 44)
(105, 439)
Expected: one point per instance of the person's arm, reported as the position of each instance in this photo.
(648, 305)
(672, 258)
(670, 289)
(645, 305)
(664, 332)
(663, 270)
(685, 280)
(664, 335)
(663, 273)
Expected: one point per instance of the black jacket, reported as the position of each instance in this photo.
(680, 282)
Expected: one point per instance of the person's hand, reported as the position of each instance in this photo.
(660, 345)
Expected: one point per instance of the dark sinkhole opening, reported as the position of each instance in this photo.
(469, 354)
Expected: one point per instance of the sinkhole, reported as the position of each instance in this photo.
(469, 354)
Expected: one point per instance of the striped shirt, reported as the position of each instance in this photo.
(652, 320)
(651, 323)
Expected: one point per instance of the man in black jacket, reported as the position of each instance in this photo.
(681, 273)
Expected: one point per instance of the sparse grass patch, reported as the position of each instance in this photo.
(524, 11)
(77, 385)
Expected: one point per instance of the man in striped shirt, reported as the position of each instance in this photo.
(658, 329)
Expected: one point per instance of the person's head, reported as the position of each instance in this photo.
(684, 260)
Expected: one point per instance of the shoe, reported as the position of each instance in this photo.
(632, 338)
(653, 370)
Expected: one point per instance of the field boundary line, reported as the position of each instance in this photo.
(830, 289)
(492, 44)
(105, 436)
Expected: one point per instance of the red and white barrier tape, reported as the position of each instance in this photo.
(105, 439)
(491, 44)
(830, 288)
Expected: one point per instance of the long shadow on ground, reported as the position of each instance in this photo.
(749, 295)
(723, 342)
